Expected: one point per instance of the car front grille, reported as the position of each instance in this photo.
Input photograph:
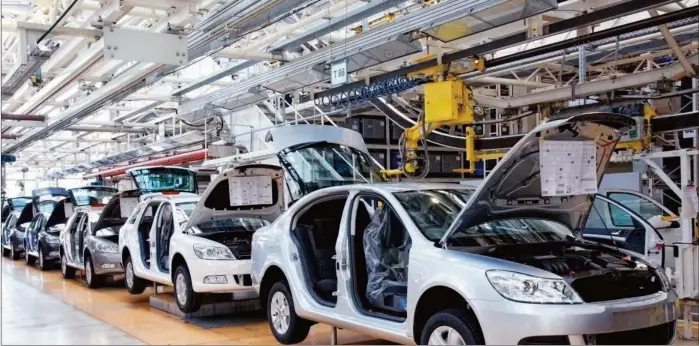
(662, 334)
(616, 285)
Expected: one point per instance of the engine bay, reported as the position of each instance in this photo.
(595, 272)
(239, 242)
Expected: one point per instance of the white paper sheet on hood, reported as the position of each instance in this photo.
(568, 167)
(243, 191)
(127, 205)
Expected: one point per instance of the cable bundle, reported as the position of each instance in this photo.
(382, 88)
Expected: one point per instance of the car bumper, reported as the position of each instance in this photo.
(509, 323)
(17, 242)
(51, 251)
(107, 263)
(236, 272)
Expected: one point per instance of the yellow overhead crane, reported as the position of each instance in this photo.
(448, 102)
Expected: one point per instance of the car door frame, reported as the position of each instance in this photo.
(153, 244)
(607, 193)
(77, 217)
(649, 236)
(35, 231)
(352, 294)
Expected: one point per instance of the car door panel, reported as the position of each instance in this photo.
(613, 224)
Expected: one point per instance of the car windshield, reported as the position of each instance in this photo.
(433, 211)
(314, 166)
(46, 207)
(230, 225)
(92, 195)
(187, 208)
(509, 231)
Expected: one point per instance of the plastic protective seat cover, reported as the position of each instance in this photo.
(166, 230)
(386, 261)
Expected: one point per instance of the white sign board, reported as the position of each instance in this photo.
(686, 134)
(244, 191)
(68, 209)
(568, 167)
(338, 73)
(127, 205)
(144, 46)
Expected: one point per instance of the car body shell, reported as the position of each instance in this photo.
(181, 248)
(80, 224)
(435, 268)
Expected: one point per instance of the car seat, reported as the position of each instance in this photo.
(386, 252)
(323, 239)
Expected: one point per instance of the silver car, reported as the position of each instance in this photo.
(447, 264)
(89, 240)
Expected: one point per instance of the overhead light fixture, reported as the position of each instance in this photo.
(28, 65)
(488, 15)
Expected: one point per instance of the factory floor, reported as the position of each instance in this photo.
(43, 308)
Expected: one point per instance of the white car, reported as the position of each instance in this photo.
(198, 245)
(503, 264)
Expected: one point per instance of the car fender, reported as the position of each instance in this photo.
(266, 252)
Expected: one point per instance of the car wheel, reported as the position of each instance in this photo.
(134, 284)
(42, 261)
(187, 300)
(14, 254)
(287, 327)
(67, 271)
(93, 280)
(449, 327)
(28, 259)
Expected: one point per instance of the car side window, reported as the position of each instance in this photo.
(76, 223)
(639, 205)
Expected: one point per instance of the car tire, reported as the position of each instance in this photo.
(14, 254)
(5, 252)
(67, 271)
(280, 307)
(28, 259)
(93, 280)
(187, 300)
(43, 265)
(134, 284)
(450, 327)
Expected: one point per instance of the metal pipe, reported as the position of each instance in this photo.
(23, 117)
(9, 136)
(673, 45)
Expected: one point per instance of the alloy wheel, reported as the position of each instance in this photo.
(445, 335)
(181, 289)
(129, 274)
(279, 310)
(88, 271)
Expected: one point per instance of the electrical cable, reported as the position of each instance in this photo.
(65, 12)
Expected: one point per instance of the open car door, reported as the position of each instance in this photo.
(614, 224)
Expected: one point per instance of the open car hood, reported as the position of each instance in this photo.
(14, 204)
(58, 215)
(91, 195)
(250, 191)
(514, 188)
(55, 193)
(118, 209)
(164, 178)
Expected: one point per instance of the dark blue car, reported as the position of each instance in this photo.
(14, 230)
(41, 242)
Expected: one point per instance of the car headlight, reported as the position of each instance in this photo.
(210, 252)
(52, 239)
(531, 289)
(107, 248)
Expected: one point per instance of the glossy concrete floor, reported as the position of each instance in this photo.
(43, 308)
